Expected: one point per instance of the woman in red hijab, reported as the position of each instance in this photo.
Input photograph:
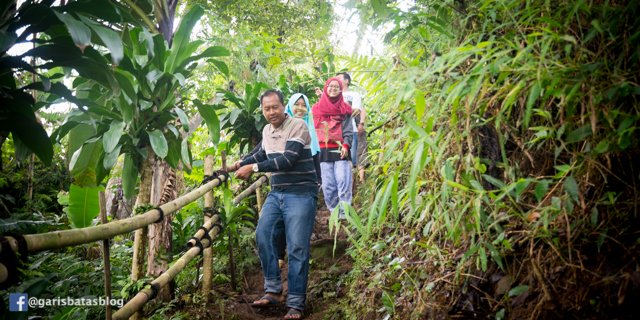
(332, 120)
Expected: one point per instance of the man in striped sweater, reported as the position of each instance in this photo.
(290, 207)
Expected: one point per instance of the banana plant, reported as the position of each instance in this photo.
(81, 36)
(60, 38)
(142, 119)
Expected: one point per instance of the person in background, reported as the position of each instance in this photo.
(359, 148)
(299, 107)
(332, 121)
(289, 208)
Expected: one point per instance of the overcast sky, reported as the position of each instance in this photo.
(346, 29)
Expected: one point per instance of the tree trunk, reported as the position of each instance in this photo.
(143, 199)
(117, 205)
(164, 182)
(140, 236)
(163, 189)
(162, 178)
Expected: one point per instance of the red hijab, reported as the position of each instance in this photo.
(331, 106)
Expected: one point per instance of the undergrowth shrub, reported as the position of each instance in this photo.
(507, 185)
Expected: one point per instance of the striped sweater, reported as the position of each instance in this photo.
(286, 153)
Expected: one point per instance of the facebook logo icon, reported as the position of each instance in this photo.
(18, 302)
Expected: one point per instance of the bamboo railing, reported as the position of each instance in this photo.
(72, 237)
(252, 188)
(147, 294)
(137, 302)
(197, 244)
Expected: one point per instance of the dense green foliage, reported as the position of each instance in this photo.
(270, 36)
(38, 211)
(502, 181)
(521, 194)
(65, 36)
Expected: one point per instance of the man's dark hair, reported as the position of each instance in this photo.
(345, 75)
(272, 92)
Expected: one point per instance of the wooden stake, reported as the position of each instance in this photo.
(30, 170)
(223, 157)
(106, 258)
(259, 199)
(232, 264)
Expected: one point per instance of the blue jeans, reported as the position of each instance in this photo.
(354, 148)
(336, 183)
(293, 215)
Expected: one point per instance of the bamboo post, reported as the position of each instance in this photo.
(232, 264)
(207, 263)
(106, 258)
(223, 157)
(72, 237)
(138, 301)
(259, 200)
(30, 170)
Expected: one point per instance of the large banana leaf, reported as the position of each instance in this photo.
(84, 205)
(158, 143)
(129, 177)
(211, 119)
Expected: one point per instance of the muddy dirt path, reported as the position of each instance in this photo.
(323, 291)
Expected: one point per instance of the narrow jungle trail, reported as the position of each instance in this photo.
(323, 292)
